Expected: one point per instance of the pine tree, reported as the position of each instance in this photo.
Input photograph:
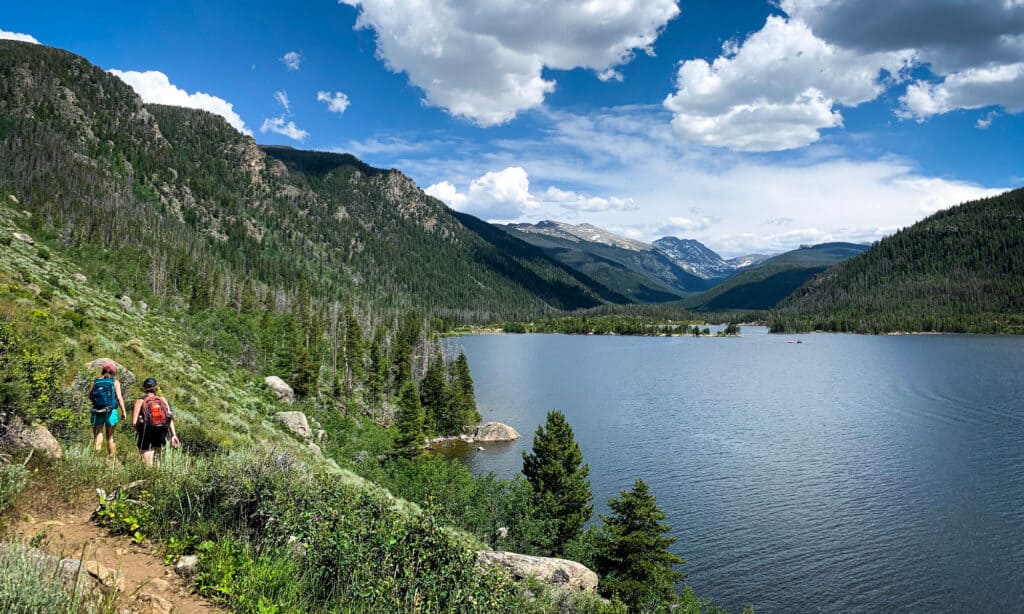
(434, 392)
(376, 379)
(409, 441)
(559, 479)
(354, 371)
(463, 411)
(632, 555)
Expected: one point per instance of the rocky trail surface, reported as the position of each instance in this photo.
(144, 585)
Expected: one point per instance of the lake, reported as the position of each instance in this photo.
(841, 474)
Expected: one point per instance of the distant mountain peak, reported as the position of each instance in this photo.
(582, 232)
(702, 261)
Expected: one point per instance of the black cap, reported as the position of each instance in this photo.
(149, 383)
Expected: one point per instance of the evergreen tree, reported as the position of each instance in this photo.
(376, 380)
(559, 479)
(463, 411)
(295, 359)
(434, 392)
(632, 555)
(354, 371)
(409, 441)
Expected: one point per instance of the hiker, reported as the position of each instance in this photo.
(105, 394)
(153, 420)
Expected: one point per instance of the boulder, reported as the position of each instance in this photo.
(126, 303)
(315, 449)
(123, 374)
(143, 307)
(187, 566)
(560, 573)
(80, 279)
(281, 388)
(109, 578)
(34, 289)
(24, 238)
(495, 431)
(295, 421)
(12, 198)
(35, 436)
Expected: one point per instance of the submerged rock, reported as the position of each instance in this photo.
(495, 431)
(556, 572)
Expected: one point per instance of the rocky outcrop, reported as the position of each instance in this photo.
(124, 375)
(34, 436)
(495, 431)
(24, 238)
(281, 388)
(561, 573)
(296, 422)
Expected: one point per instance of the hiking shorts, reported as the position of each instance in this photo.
(151, 437)
(108, 418)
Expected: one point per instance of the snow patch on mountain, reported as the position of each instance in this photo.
(581, 232)
(698, 259)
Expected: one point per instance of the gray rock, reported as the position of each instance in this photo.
(281, 388)
(35, 436)
(34, 289)
(495, 431)
(560, 573)
(143, 307)
(123, 374)
(126, 303)
(321, 436)
(295, 421)
(12, 198)
(24, 238)
(316, 449)
(187, 566)
(80, 279)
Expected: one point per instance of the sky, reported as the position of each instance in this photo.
(750, 125)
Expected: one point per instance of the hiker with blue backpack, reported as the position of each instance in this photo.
(105, 394)
(153, 420)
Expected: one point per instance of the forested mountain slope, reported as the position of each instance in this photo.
(763, 285)
(199, 214)
(630, 268)
(959, 270)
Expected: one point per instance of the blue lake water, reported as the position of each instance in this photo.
(842, 474)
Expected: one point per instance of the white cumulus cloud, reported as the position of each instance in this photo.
(18, 36)
(292, 60)
(153, 86)
(974, 88)
(336, 102)
(777, 90)
(483, 60)
(505, 195)
(278, 125)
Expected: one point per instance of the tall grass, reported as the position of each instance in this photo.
(30, 583)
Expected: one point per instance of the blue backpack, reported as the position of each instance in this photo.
(102, 395)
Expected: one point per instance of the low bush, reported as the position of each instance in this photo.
(29, 584)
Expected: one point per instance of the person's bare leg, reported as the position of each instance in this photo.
(97, 438)
(147, 457)
(111, 446)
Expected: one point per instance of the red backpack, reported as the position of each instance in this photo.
(155, 411)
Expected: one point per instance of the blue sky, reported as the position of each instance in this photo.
(752, 126)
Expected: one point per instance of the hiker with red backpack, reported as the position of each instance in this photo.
(153, 420)
(105, 394)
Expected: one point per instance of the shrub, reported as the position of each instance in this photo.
(29, 583)
(13, 479)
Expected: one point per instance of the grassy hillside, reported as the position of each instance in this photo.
(959, 270)
(764, 285)
(646, 276)
(200, 213)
